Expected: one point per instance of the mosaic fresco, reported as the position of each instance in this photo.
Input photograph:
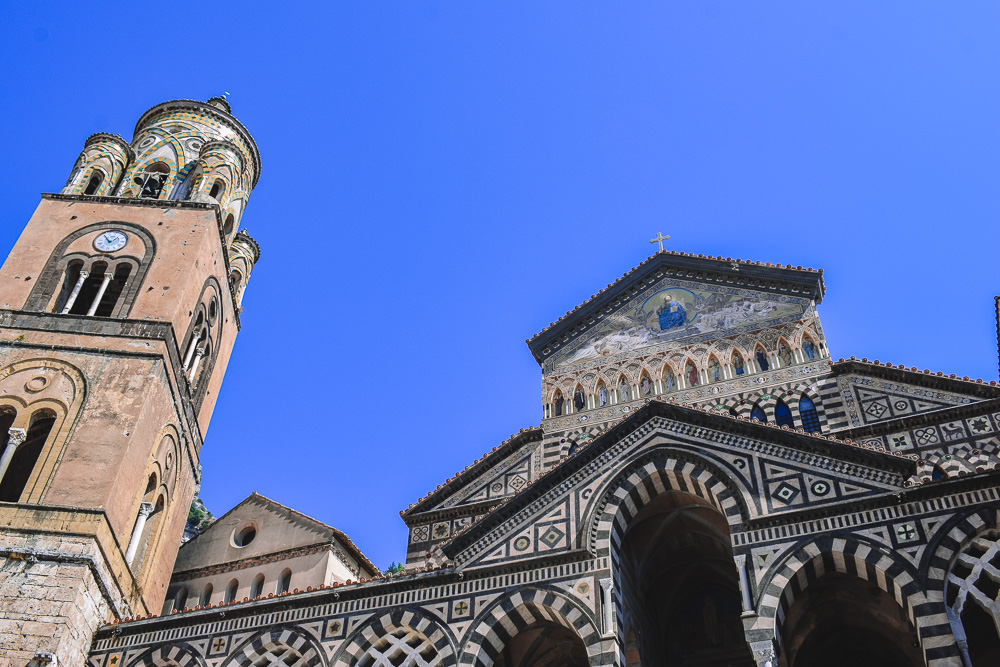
(680, 311)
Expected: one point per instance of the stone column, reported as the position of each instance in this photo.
(192, 346)
(145, 509)
(100, 293)
(16, 439)
(741, 566)
(609, 607)
(198, 354)
(75, 293)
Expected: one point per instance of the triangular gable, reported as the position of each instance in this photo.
(498, 474)
(772, 471)
(276, 527)
(674, 299)
(874, 393)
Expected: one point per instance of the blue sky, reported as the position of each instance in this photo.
(443, 179)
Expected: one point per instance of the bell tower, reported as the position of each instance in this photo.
(119, 308)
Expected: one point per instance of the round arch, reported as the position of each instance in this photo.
(787, 579)
(394, 628)
(501, 621)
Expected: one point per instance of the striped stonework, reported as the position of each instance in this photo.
(169, 656)
(397, 635)
(503, 620)
(866, 561)
(284, 646)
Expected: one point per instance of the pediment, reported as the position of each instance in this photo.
(276, 528)
(766, 473)
(660, 305)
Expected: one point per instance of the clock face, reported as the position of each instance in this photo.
(110, 241)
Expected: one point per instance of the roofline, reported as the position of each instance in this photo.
(751, 275)
(339, 534)
(458, 480)
(823, 445)
(978, 388)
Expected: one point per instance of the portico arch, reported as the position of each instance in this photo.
(550, 621)
(402, 634)
(176, 655)
(289, 646)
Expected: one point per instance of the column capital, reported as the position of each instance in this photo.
(764, 653)
(145, 509)
(17, 437)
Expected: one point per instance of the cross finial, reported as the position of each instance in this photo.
(660, 238)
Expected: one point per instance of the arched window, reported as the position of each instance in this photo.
(761, 356)
(938, 473)
(572, 450)
(579, 399)
(73, 269)
(784, 354)
(285, 581)
(557, 404)
(733, 412)
(809, 348)
(782, 415)
(623, 389)
(230, 224)
(669, 380)
(104, 304)
(645, 385)
(808, 415)
(714, 369)
(231, 589)
(218, 189)
(206, 596)
(15, 478)
(94, 184)
(257, 587)
(181, 598)
(758, 414)
(152, 180)
(602, 394)
(738, 366)
(691, 373)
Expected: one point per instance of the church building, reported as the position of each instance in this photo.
(706, 487)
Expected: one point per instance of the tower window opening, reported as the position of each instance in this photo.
(108, 301)
(808, 414)
(94, 184)
(782, 415)
(230, 224)
(89, 290)
(152, 180)
(285, 581)
(73, 270)
(22, 463)
(257, 587)
(218, 188)
(180, 600)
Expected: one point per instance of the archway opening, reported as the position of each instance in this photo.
(839, 611)
(680, 587)
(544, 644)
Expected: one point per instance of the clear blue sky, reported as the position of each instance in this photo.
(443, 179)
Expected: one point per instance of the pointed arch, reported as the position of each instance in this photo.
(494, 628)
(601, 397)
(756, 412)
(737, 363)
(808, 415)
(760, 357)
(784, 353)
(782, 414)
(290, 646)
(579, 398)
(558, 403)
(691, 374)
(622, 389)
(714, 369)
(646, 386)
(668, 381)
(407, 632)
(810, 350)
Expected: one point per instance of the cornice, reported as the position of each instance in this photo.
(926, 378)
(252, 561)
(924, 418)
(777, 279)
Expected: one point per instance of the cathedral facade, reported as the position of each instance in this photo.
(706, 486)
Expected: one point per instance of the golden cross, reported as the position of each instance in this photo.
(660, 238)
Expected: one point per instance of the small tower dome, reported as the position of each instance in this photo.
(243, 254)
(197, 151)
(104, 159)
